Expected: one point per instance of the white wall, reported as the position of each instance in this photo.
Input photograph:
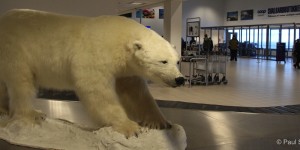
(238, 5)
(156, 24)
(211, 13)
(71, 7)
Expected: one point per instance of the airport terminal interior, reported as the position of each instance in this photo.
(251, 103)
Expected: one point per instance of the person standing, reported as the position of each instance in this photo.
(211, 44)
(233, 46)
(296, 53)
(206, 44)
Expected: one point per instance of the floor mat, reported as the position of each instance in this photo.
(289, 109)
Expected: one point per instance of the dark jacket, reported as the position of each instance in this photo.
(233, 44)
(296, 51)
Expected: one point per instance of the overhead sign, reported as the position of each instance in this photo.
(284, 11)
(279, 11)
(261, 12)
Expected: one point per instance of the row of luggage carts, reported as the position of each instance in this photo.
(206, 69)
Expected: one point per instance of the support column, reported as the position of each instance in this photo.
(173, 23)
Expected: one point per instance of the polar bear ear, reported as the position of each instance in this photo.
(137, 45)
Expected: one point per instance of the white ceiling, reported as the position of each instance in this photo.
(126, 5)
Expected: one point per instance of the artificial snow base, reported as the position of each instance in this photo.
(59, 134)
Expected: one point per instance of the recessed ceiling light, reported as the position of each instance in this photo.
(136, 3)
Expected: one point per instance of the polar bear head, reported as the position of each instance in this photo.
(155, 59)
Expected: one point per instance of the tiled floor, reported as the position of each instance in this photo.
(251, 82)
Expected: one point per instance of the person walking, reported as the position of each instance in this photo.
(296, 53)
(233, 46)
(206, 44)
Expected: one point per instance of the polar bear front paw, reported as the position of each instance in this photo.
(128, 128)
(38, 116)
(30, 116)
(3, 112)
(156, 123)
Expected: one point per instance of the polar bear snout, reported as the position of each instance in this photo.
(179, 81)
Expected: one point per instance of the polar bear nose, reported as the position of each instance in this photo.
(179, 81)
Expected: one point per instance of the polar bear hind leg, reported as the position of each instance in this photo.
(21, 93)
(139, 103)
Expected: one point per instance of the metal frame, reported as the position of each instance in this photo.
(196, 20)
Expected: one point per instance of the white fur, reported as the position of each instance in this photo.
(103, 59)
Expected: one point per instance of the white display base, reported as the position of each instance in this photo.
(59, 134)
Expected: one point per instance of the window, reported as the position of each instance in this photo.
(258, 37)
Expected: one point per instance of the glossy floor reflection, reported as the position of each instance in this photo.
(206, 130)
(251, 83)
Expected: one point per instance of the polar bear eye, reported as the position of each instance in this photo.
(164, 62)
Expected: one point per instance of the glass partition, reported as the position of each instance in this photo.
(257, 41)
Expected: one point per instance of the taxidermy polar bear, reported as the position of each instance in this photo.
(103, 59)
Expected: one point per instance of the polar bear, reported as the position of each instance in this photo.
(105, 60)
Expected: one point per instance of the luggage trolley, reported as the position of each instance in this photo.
(212, 64)
(217, 69)
(207, 70)
(197, 71)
